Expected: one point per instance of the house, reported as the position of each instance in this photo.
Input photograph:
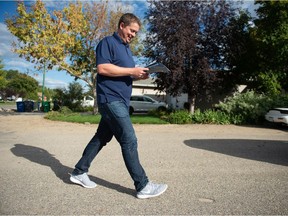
(147, 87)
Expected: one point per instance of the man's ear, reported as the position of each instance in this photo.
(122, 25)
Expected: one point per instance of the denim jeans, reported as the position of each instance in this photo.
(115, 121)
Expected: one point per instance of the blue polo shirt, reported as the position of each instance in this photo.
(114, 51)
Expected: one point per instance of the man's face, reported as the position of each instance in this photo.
(127, 33)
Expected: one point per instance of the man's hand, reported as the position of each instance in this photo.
(116, 71)
(140, 73)
(146, 76)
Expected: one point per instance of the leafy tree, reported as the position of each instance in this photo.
(70, 97)
(271, 33)
(241, 51)
(74, 91)
(58, 98)
(48, 93)
(192, 39)
(66, 39)
(3, 81)
(21, 85)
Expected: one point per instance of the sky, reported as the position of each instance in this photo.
(54, 78)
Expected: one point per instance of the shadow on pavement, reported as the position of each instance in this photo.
(43, 157)
(270, 151)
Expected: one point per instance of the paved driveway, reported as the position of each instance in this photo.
(209, 169)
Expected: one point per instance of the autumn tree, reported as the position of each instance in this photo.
(192, 38)
(65, 39)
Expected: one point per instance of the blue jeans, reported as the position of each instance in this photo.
(115, 121)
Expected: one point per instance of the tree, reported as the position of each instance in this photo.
(20, 85)
(66, 39)
(3, 81)
(240, 51)
(71, 97)
(192, 39)
(271, 34)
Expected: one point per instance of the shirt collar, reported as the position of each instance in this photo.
(119, 39)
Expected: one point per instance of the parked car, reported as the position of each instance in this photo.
(88, 101)
(10, 98)
(277, 115)
(143, 103)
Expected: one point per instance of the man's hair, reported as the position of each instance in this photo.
(129, 18)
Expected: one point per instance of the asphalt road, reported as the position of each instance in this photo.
(210, 169)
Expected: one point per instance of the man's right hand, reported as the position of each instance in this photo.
(140, 73)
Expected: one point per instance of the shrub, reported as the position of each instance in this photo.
(65, 110)
(52, 115)
(180, 117)
(250, 107)
(210, 117)
(162, 114)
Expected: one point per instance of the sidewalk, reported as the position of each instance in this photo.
(210, 169)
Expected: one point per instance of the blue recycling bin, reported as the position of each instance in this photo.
(20, 106)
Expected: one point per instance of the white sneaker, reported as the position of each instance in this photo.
(83, 180)
(152, 190)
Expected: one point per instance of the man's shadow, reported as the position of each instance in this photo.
(269, 151)
(43, 157)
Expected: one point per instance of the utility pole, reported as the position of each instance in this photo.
(43, 84)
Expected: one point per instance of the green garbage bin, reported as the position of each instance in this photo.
(46, 106)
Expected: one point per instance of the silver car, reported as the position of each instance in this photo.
(143, 103)
(277, 115)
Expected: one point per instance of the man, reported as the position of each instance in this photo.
(116, 71)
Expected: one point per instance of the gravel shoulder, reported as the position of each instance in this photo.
(210, 169)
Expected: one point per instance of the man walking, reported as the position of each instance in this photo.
(116, 71)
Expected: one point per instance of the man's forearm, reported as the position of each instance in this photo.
(113, 70)
(116, 71)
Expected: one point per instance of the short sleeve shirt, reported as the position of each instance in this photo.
(113, 50)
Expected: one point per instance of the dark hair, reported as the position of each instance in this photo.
(129, 18)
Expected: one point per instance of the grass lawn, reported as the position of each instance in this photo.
(7, 103)
(95, 119)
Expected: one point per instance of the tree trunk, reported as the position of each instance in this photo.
(191, 101)
(95, 108)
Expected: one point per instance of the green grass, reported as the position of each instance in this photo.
(95, 119)
(3, 103)
(146, 119)
(75, 118)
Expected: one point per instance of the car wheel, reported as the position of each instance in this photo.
(161, 108)
(131, 110)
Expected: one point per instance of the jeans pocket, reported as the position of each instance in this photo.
(118, 109)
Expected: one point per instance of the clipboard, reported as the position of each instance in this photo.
(157, 68)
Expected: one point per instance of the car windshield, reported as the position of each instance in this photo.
(143, 99)
(148, 100)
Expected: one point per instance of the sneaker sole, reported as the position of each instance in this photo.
(76, 181)
(144, 196)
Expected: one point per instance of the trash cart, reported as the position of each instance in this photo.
(46, 106)
(20, 106)
(29, 106)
